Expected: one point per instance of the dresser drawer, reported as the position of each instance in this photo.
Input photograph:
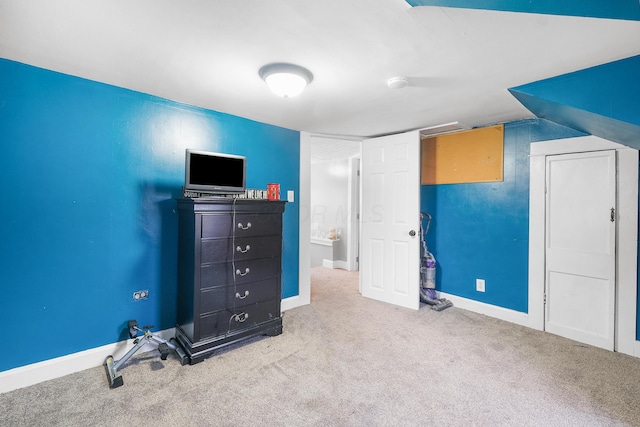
(223, 274)
(245, 225)
(221, 322)
(241, 248)
(216, 299)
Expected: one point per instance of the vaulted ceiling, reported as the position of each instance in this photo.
(461, 57)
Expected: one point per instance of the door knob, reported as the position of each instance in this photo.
(412, 233)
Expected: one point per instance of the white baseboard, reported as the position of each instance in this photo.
(35, 373)
(327, 263)
(292, 302)
(503, 314)
(488, 309)
(335, 264)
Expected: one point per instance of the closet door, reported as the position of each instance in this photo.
(580, 247)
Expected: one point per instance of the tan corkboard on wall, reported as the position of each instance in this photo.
(475, 155)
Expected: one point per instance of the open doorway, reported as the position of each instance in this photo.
(334, 202)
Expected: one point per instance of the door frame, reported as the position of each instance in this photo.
(626, 233)
(353, 226)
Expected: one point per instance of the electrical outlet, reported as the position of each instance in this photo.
(139, 295)
(290, 196)
(480, 285)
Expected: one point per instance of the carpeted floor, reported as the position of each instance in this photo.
(346, 360)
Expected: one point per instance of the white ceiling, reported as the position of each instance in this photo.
(459, 62)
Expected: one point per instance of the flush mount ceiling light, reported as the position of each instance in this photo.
(397, 82)
(286, 80)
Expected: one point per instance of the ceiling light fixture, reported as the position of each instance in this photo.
(397, 82)
(286, 80)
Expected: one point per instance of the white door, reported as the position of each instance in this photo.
(580, 247)
(390, 250)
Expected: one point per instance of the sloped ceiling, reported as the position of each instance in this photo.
(460, 62)
(602, 101)
(617, 9)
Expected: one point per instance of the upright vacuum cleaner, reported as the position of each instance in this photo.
(428, 272)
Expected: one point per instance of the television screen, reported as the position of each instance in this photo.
(214, 173)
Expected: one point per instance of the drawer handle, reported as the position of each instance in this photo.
(243, 227)
(240, 273)
(241, 317)
(246, 294)
(247, 249)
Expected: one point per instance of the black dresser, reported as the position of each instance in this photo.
(229, 272)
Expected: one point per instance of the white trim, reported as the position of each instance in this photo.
(328, 263)
(291, 302)
(581, 144)
(25, 376)
(536, 241)
(35, 373)
(341, 264)
(627, 251)
(627, 232)
(501, 313)
(353, 204)
(304, 242)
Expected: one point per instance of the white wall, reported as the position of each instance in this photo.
(329, 205)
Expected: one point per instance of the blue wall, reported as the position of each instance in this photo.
(618, 9)
(481, 230)
(89, 173)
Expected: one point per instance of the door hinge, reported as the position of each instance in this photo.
(613, 214)
(544, 298)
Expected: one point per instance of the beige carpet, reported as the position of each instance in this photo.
(346, 360)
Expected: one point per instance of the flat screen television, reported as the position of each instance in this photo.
(214, 173)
